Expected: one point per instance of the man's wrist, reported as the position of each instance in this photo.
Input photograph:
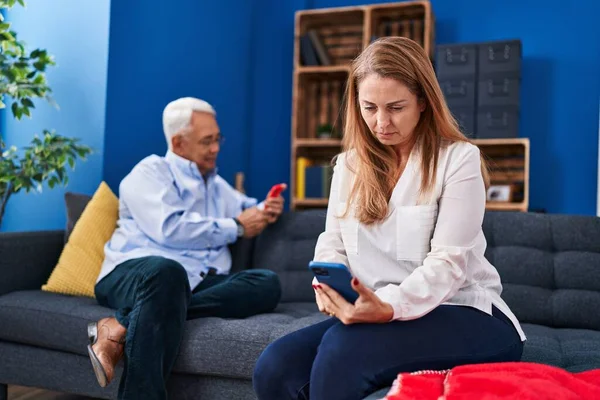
(240, 228)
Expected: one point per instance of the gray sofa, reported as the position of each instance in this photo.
(550, 266)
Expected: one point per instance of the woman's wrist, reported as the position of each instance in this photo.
(389, 312)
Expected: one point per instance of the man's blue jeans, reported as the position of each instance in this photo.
(153, 299)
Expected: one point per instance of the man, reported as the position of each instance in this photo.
(168, 259)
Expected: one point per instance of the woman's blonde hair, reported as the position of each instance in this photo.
(405, 61)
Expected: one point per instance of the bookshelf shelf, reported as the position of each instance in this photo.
(505, 142)
(311, 203)
(318, 143)
(498, 206)
(325, 69)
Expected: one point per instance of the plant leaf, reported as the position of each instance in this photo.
(15, 109)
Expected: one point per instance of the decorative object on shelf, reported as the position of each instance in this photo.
(23, 78)
(325, 131)
(501, 193)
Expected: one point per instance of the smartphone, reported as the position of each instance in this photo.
(337, 276)
(276, 190)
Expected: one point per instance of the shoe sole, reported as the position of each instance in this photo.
(96, 364)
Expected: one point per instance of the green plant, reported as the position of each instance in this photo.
(23, 79)
(325, 131)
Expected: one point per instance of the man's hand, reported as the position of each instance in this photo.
(253, 220)
(368, 308)
(274, 207)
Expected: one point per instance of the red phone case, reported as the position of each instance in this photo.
(276, 190)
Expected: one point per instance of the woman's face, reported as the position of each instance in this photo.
(389, 109)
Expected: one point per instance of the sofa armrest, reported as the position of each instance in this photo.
(28, 258)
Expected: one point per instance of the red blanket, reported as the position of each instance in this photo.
(518, 380)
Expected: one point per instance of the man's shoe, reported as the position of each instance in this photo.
(107, 338)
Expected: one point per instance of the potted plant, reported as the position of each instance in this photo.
(325, 131)
(22, 79)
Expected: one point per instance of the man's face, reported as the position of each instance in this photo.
(202, 143)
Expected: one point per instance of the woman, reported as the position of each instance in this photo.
(405, 212)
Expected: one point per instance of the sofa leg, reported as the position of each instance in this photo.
(3, 392)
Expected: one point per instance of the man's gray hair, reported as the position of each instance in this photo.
(177, 115)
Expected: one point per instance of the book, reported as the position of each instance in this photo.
(308, 54)
(312, 109)
(301, 164)
(318, 180)
(324, 104)
(327, 172)
(319, 48)
(314, 182)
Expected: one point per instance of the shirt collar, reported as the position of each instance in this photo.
(186, 166)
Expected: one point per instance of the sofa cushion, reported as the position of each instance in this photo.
(48, 319)
(212, 346)
(287, 247)
(572, 349)
(216, 346)
(549, 266)
(75, 203)
(81, 259)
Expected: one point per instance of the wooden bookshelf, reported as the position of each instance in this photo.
(317, 96)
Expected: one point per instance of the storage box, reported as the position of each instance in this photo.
(456, 60)
(499, 90)
(497, 122)
(459, 92)
(504, 56)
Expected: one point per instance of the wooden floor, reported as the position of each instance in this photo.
(25, 393)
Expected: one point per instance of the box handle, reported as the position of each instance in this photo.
(457, 58)
(453, 90)
(499, 53)
(497, 120)
(498, 88)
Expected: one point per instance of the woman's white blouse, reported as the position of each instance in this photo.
(425, 253)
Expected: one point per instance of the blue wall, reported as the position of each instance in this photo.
(159, 53)
(242, 62)
(271, 101)
(78, 38)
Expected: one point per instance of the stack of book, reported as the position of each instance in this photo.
(323, 104)
(335, 45)
(410, 28)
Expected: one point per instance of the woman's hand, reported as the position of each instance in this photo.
(368, 308)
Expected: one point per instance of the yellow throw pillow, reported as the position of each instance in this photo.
(80, 261)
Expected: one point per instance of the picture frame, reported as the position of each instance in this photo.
(500, 193)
